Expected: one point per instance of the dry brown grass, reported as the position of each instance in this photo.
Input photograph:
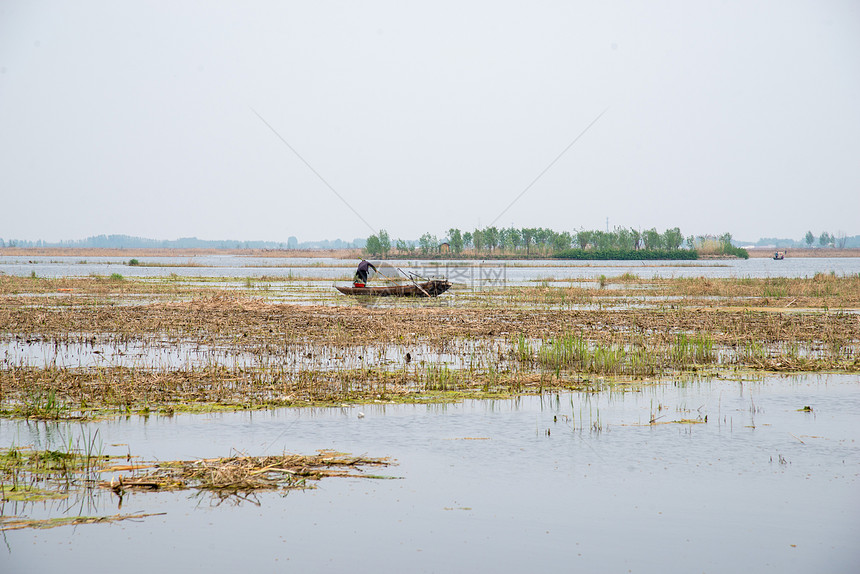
(823, 291)
(778, 324)
(219, 319)
(244, 474)
(32, 476)
(87, 286)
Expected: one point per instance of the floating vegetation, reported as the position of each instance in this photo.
(9, 523)
(245, 474)
(28, 476)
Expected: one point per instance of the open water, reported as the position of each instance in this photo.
(466, 272)
(580, 482)
(734, 476)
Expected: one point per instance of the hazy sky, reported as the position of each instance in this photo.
(139, 117)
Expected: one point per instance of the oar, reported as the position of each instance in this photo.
(384, 275)
(413, 281)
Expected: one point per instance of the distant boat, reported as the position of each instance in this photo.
(426, 289)
(779, 255)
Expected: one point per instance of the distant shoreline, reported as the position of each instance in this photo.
(83, 252)
(177, 252)
(802, 252)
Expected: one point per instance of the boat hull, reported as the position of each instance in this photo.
(426, 289)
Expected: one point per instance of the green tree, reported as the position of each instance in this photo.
(467, 239)
(373, 247)
(824, 239)
(652, 239)
(584, 238)
(810, 238)
(478, 240)
(456, 239)
(428, 243)
(491, 237)
(503, 239)
(384, 242)
(603, 241)
(542, 238)
(672, 238)
(623, 238)
(528, 235)
(515, 238)
(561, 241)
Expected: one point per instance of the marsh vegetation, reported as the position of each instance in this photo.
(180, 395)
(89, 347)
(71, 472)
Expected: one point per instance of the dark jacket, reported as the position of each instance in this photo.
(361, 272)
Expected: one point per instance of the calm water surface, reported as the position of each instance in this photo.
(514, 272)
(579, 482)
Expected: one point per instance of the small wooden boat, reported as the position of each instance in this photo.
(779, 256)
(430, 288)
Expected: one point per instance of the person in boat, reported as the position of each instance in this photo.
(360, 278)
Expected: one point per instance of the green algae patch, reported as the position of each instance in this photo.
(27, 493)
(11, 523)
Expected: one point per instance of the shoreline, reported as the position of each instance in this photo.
(804, 252)
(171, 252)
(754, 253)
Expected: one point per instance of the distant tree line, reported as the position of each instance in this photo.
(128, 241)
(542, 242)
(827, 239)
(627, 254)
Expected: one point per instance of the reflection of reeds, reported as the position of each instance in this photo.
(31, 475)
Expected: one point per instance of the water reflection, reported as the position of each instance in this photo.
(585, 479)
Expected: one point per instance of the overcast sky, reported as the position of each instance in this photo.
(139, 117)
